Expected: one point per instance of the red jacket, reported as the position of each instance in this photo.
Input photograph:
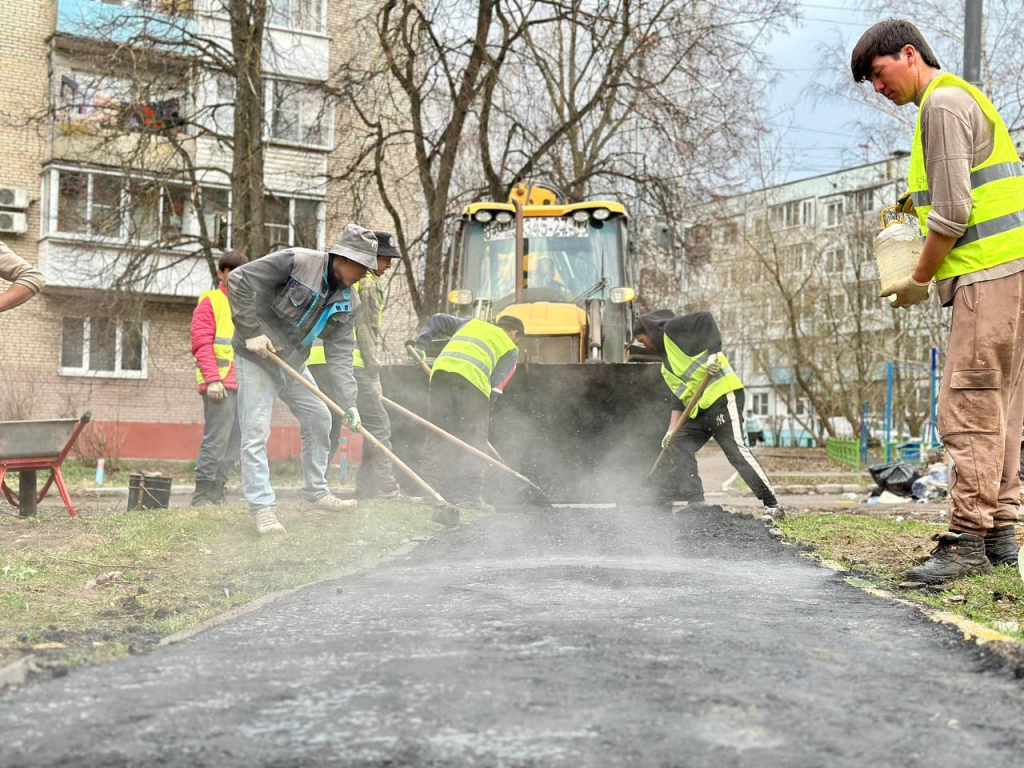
(204, 331)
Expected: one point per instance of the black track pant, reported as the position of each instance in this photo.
(723, 422)
(457, 407)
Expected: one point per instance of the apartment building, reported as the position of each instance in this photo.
(789, 272)
(115, 178)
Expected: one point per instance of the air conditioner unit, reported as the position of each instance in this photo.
(13, 198)
(14, 223)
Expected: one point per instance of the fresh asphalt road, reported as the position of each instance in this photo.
(572, 637)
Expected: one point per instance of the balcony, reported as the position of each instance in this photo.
(159, 23)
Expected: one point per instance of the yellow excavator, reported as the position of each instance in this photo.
(581, 416)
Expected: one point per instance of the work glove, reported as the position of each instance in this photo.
(420, 353)
(906, 204)
(216, 392)
(351, 419)
(260, 345)
(666, 440)
(909, 292)
(714, 364)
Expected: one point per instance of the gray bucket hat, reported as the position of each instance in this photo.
(358, 244)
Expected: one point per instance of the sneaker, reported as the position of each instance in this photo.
(1001, 545)
(774, 513)
(955, 555)
(267, 522)
(330, 503)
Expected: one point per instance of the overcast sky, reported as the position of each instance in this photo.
(819, 134)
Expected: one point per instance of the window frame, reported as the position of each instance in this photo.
(271, 24)
(327, 123)
(118, 372)
(757, 397)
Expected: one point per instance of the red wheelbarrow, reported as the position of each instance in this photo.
(29, 446)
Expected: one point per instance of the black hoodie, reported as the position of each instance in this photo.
(694, 333)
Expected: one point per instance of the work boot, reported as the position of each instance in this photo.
(203, 494)
(215, 492)
(329, 503)
(267, 522)
(955, 555)
(773, 513)
(1001, 545)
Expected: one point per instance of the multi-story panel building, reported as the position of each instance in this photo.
(116, 125)
(790, 274)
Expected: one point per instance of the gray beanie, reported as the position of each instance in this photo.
(358, 244)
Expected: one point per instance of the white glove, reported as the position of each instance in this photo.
(714, 364)
(216, 392)
(909, 292)
(260, 345)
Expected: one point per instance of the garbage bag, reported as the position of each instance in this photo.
(897, 477)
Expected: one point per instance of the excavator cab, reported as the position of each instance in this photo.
(561, 268)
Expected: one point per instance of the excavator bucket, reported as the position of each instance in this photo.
(585, 433)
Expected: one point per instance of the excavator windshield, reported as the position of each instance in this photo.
(565, 260)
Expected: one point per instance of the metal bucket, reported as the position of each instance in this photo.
(148, 492)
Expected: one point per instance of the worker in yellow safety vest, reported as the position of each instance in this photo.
(690, 347)
(375, 478)
(474, 367)
(211, 332)
(967, 189)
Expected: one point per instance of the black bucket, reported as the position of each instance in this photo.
(148, 492)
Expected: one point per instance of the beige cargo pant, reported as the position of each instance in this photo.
(981, 403)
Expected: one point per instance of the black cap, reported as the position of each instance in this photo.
(386, 245)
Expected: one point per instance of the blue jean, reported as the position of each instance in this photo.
(257, 390)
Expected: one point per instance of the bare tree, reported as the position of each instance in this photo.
(583, 93)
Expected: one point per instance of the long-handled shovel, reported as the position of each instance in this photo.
(430, 426)
(686, 416)
(450, 516)
(426, 369)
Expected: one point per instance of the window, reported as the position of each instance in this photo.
(166, 7)
(120, 103)
(223, 104)
(73, 202)
(759, 404)
(698, 243)
(105, 206)
(835, 259)
(173, 212)
(833, 213)
(807, 213)
(861, 201)
(297, 113)
(101, 346)
(292, 223)
(275, 219)
(307, 225)
(305, 15)
(144, 211)
(792, 214)
(217, 217)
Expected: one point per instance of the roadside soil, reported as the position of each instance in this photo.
(879, 550)
(110, 582)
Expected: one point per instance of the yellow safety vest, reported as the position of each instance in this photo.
(225, 329)
(995, 229)
(316, 352)
(473, 352)
(683, 375)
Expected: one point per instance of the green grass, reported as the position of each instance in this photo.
(79, 475)
(885, 549)
(180, 567)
